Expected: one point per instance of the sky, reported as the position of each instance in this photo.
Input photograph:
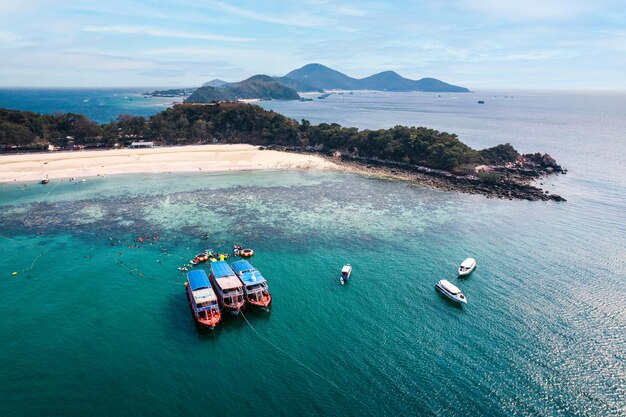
(479, 44)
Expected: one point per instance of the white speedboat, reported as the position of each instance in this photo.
(451, 291)
(467, 266)
(345, 273)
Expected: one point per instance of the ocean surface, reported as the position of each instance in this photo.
(101, 105)
(96, 324)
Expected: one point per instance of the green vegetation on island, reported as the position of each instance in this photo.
(172, 92)
(215, 83)
(427, 155)
(245, 123)
(261, 87)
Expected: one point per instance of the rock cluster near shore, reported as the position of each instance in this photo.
(511, 186)
(512, 181)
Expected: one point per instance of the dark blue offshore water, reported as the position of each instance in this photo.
(101, 105)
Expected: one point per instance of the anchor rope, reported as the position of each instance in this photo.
(51, 190)
(44, 251)
(308, 368)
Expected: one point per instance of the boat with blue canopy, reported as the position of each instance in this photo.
(227, 286)
(202, 299)
(255, 287)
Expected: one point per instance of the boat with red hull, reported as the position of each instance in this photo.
(202, 299)
(227, 286)
(255, 287)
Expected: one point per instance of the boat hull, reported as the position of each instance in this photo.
(463, 273)
(232, 308)
(344, 277)
(264, 304)
(463, 270)
(450, 296)
(466, 272)
(207, 323)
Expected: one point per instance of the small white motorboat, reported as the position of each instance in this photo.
(451, 291)
(345, 273)
(467, 266)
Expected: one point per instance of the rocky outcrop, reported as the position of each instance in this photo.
(542, 161)
(511, 182)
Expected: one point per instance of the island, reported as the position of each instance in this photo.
(418, 154)
(172, 92)
(309, 78)
(259, 87)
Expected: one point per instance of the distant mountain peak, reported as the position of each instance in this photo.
(259, 77)
(389, 72)
(215, 83)
(325, 78)
(315, 65)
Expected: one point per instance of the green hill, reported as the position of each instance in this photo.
(244, 123)
(215, 83)
(261, 87)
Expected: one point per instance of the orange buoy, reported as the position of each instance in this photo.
(246, 252)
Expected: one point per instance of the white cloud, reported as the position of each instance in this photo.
(349, 11)
(13, 40)
(162, 33)
(301, 20)
(528, 9)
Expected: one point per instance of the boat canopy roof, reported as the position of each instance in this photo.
(197, 280)
(346, 269)
(241, 266)
(204, 295)
(451, 288)
(228, 283)
(468, 263)
(221, 269)
(224, 275)
(248, 274)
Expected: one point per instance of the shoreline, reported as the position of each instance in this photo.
(28, 167)
(513, 188)
(216, 158)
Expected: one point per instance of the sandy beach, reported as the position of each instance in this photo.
(211, 158)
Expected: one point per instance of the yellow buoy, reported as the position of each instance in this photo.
(14, 273)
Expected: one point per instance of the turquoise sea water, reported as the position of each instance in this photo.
(92, 326)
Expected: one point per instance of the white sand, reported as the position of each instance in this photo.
(211, 158)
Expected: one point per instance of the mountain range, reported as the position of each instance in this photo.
(313, 78)
(322, 77)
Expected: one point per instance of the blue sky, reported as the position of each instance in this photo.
(481, 44)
